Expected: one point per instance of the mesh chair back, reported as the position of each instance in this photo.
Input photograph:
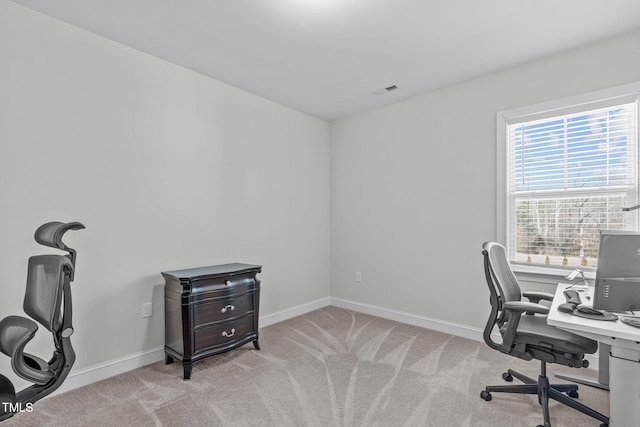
(44, 294)
(502, 283)
(503, 276)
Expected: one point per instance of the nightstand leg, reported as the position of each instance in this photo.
(168, 359)
(187, 370)
(256, 345)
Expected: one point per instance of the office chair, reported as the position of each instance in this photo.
(526, 335)
(48, 301)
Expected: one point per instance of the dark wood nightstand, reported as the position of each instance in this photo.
(210, 310)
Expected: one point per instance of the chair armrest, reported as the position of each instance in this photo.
(516, 309)
(524, 306)
(536, 296)
(15, 333)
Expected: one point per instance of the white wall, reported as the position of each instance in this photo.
(413, 185)
(166, 168)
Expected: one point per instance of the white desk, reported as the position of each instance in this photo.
(624, 362)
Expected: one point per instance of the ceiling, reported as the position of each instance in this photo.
(326, 58)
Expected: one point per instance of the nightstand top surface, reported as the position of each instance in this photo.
(212, 271)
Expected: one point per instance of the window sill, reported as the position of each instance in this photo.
(556, 274)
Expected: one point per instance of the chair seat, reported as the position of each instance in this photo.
(534, 330)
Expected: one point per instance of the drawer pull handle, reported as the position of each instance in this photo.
(225, 334)
(227, 282)
(228, 307)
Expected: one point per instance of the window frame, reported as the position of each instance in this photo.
(586, 101)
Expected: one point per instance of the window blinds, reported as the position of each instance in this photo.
(570, 174)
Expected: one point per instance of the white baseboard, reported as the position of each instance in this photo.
(111, 368)
(294, 311)
(411, 319)
(127, 363)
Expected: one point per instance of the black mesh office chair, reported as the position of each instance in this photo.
(48, 301)
(526, 335)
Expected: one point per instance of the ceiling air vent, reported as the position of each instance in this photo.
(384, 90)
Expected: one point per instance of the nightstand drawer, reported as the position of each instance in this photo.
(222, 335)
(222, 309)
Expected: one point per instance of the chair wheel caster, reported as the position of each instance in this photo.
(573, 393)
(485, 395)
(507, 377)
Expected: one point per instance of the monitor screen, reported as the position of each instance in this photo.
(618, 272)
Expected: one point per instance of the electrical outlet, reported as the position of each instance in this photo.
(358, 276)
(147, 309)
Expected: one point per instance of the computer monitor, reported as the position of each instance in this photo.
(618, 273)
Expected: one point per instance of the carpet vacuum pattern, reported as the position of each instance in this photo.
(330, 367)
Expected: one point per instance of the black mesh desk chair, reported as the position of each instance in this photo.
(48, 301)
(526, 335)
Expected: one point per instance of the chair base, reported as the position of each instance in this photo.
(545, 391)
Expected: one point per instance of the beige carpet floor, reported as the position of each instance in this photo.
(330, 367)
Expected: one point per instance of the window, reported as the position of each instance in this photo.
(567, 169)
